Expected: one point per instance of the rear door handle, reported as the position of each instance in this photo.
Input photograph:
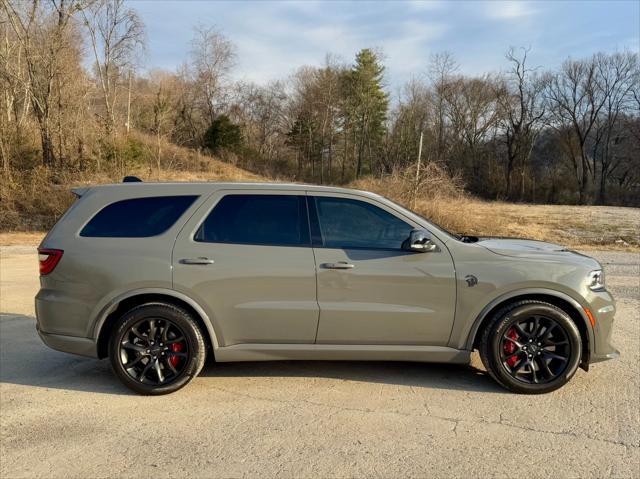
(201, 260)
(339, 265)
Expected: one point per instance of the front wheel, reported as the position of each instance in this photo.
(531, 347)
(156, 348)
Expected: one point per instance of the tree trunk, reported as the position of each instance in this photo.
(345, 154)
(310, 158)
(584, 178)
(602, 199)
(508, 172)
(330, 158)
(48, 157)
(159, 151)
(5, 159)
(360, 151)
(129, 106)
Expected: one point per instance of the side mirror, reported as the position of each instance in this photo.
(419, 241)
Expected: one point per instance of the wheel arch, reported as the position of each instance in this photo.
(120, 305)
(563, 301)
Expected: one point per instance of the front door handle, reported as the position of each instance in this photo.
(200, 260)
(339, 265)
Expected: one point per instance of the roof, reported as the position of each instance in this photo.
(211, 185)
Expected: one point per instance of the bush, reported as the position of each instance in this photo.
(223, 134)
(436, 195)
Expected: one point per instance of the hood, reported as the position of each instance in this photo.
(520, 247)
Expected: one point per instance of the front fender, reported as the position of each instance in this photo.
(468, 334)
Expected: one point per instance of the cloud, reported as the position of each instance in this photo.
(509, 10)
(274, 42)
(406, 52)
(274, 39)
(425, 5)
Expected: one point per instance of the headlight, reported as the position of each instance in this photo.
(596, 280)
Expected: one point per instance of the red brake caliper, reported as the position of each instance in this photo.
(509, 347)
(176, 348)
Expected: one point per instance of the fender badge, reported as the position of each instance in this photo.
(471, 280)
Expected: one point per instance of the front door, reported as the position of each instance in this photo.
(246, 257)
(370, 291)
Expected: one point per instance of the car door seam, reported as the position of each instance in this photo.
(315, 264)
(175, 240)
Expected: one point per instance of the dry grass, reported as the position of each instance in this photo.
(585, 227)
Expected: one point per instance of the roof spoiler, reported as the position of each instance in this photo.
(80, 191)
(131, 179)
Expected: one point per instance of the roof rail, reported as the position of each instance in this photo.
(131, 179)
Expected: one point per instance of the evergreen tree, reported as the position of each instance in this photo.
(366, 107)
(222, 134)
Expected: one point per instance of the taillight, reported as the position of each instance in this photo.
(48, 258)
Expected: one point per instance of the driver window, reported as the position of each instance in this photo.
(346, 223)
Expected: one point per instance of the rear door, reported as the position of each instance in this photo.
(246, 257)
(370, 291)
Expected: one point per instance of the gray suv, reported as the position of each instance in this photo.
(158, 276)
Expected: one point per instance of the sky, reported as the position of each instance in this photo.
(274, 38)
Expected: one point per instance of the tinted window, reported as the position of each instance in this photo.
(137, 217)
(279, 220)
(346, 223)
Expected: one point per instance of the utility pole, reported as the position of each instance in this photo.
(415, 190)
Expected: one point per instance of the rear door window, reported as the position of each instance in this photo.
(272, 220)
(137, 217)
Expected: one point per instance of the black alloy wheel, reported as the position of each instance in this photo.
(154, 351)
(156, 348)
(535, 350)
(531, 347)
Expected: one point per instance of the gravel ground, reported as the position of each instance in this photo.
(66, 416)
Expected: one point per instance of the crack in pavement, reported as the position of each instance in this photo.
(455, 421)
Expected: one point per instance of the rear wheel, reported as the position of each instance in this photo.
(156, 348)
(531, 347)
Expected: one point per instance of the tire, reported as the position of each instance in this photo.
(528, 355)
(156, 348)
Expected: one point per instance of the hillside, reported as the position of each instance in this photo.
(33, 200)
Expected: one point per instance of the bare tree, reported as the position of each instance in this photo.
(472, 111)
(261, 111)
(575, 100)
(318, 114)
(327, 95)
(189, 125)
(409, 119)
(162, 106)
(212, 58)
(43, 40)
(618, 74)
(442, 70)
(303, 131)
(14, 85)
(520, 99)
(117, 34)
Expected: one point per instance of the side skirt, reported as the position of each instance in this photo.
(341, 352)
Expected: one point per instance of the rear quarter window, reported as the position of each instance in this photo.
(137, 217)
